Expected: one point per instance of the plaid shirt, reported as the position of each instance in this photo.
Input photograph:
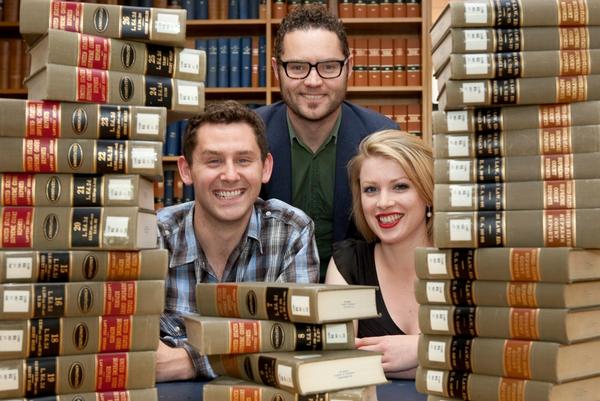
(278, 245)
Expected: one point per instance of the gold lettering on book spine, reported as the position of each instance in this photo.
(559, 194)
(559, 228)
(555, 115)
(524, 323)
(557, 167)
(571, 89)
(572, 12)
(521, 294)
(511, 390)
(517, 359)
(573, 38)
(574, 62)
(525, 264)
(555, 141)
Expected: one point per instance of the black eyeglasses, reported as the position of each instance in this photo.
(301, 69)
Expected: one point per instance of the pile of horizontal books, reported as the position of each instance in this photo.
(510, 299)
(283, 341)
(81, 283)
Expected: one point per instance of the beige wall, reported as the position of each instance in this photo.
(436, 8)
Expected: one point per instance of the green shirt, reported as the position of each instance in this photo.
(313, 179)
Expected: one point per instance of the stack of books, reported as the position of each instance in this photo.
(509, 304)
(284, 341)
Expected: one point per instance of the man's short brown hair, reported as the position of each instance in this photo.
(228, 112)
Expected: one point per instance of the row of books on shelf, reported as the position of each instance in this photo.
(407, 116)
(218, 9)
(14, 63)
(379, 8)
(172, 190)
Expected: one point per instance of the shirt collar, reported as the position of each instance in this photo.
(332, 135)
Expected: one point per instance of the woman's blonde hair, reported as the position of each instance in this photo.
(414, 157)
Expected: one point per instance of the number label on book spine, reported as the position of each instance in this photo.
(436, 351)
(9, 379)
(111, 372)
(476, 13)
(435, 381)
(16, 301)
(19, 268)
(189, 62)
(436, 292)
(457, 121)
(300, 305)
(439, 319)
(11, 340)
(477, 64)
(188, 95)
(143, 158)
(147, 123)
(473, 92)
(459, 170)
(167, 23)
(336, 333)
(120, 189)
(436, 263)
(460, 229)
(461, 195)
(476, 39)
(458, 146)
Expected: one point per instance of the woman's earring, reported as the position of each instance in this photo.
(428, 213)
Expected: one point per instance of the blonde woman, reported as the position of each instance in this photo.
(391, 179)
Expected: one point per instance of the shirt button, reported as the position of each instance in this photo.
(267, 213)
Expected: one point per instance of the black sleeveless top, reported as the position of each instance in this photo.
(355, 261)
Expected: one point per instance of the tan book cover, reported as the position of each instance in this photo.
(88, 298)
(144, 394)
(230, 389)
(144, 24)
(67, 374)
(508, 293)
(88, 85)
(578, 228)
(552, 265)
(73, 266)
(78, 335)
(493, 388)
(299, 303)
(565, 326)
(51, 119)
(25, 189)
(89, 51)
(86, 156)
(219, 335)
(536, 360)
(526, 195)
(573, 166)
(304, 372)
(58, 228)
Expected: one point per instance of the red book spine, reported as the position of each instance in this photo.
(361, 62)
(351, 48)
(400, 115)
(413, 61)
(374, 61)
(399, 9)
(400, 61)
(387, 61)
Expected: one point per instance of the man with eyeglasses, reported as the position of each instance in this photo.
(313, 132)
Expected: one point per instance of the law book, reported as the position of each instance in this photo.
(413, 8)
(88, 298)
(212, 63)
(223, 62)
(361, 61)
(234, 54)
(399, 9)
(24, 189)
(77, 335)
(578, 228)
(169, 188)
(518, 359)
(68, 374)
(526, 195)
(246, 62)
(508, 293)
(59, 228)
(413, 119)
(374, 61)
(50, 119)
(528, 39)
(89, 51)
(475, 387)
(304, 372)
(517, 168)
(172, 139)
(298, 303)
(413, 61)
(512, 14)
(15, 67)
(345, 9)
(85, 156)
(262, 61)
(155, 25)
(373, 9)
(279, 9)
(385, 9)
(89, 85)
(74, 266)
(4, 63)
(144, 394)
(230, 389)
(10, 10)
(399, 61)
(201, 9)
(219, 335)
(360, 8)
(519, 91)
(387, 61)
(254, 62)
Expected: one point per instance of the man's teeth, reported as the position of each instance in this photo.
(390, 218)
(228, 194)
(313, 97)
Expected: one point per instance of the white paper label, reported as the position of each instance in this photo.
(187, 95)
(436, 291)
(461, 195)
(460, 230)
(477, 64)
(458, 145)
(120, 189)
(143, 158)
(476, 13)
(300, 305)
(436, 351)
(189, 61)
(167, 23)
(457, 121)
(9, 379)
(11, 340)
(476, 39)
(18, 267)
(116, 227)
(459, 170)
(473, 92)
(435, 381)
(16, 301)
(148, 124)
(436, 263)
(336, 333)
(439, 319)
(284, 375)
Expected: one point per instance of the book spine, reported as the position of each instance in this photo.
(361, 61)
(4, 63)
(223, 62)
(528, 228)
(212, 63)
(172, 140)
(190, 7)
(246, 62)
(399, 9)
(413, 8)
(345, 9)
(188, 193)
(75, 266)
(401, 116)
(399, 61)
(262, 61)
(235, 62)
(360, 9)
(386, 9)
(15, 68)
(279, 9)
(51, 119)
(169, 181)
(413, 61)
(79, 373)
(373, 9)
(243, 390)
(253, 9)
(45, 155)
(255, 57)
(11, 10)
(72, 336)
(114, 298)
(159, 195)
(413, 120)
(387, 61)
(244, 12)
(374, 61)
